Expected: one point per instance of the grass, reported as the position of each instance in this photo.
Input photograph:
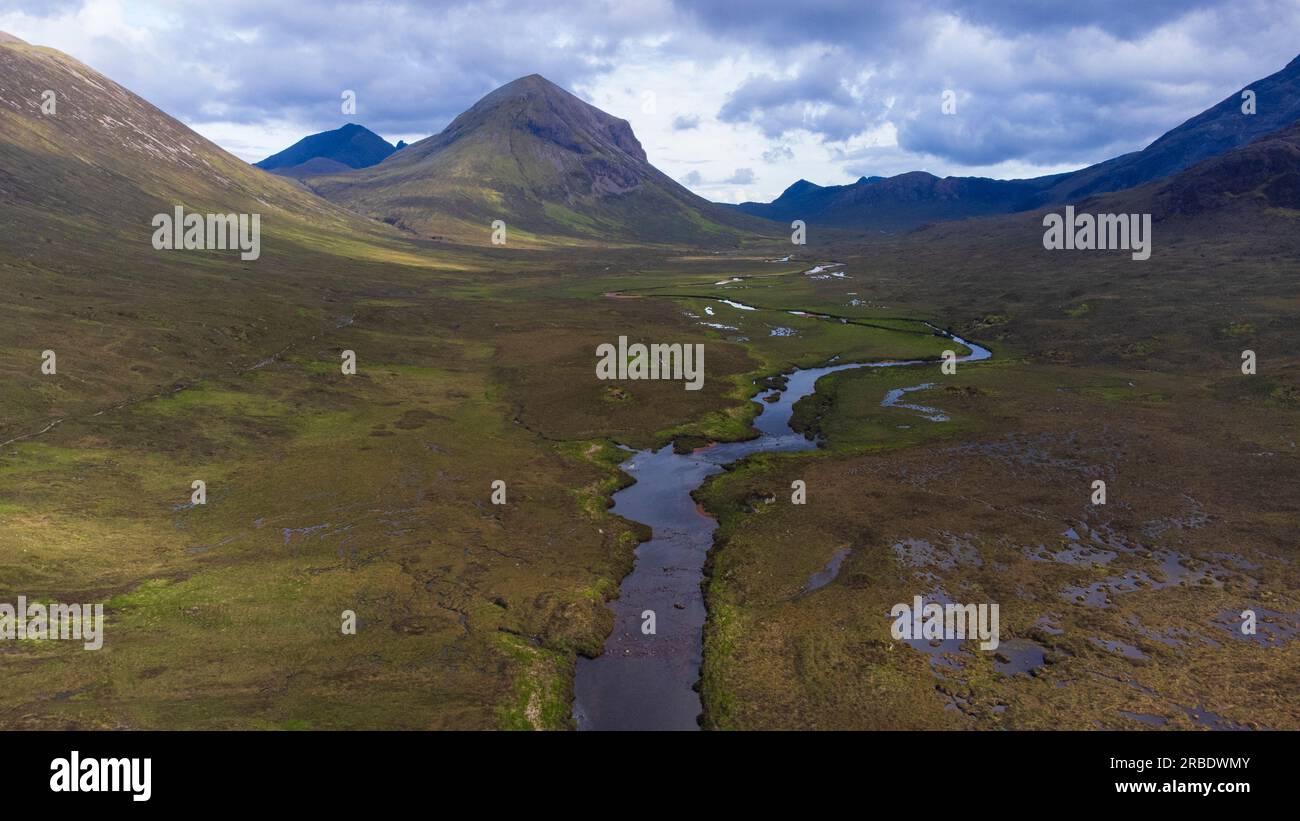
(1007, 473)
(371, 493)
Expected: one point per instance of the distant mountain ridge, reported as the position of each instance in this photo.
(899, 203)
(913, 199)
(348, 147)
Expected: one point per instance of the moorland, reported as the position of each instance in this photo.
(372, 492)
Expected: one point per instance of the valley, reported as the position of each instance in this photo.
(371, 493)
(450, 591)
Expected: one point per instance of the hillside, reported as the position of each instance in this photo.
(1261, 176)
(81, 182)
(554, 168)
(105, 161)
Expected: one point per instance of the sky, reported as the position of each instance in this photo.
(734, 99)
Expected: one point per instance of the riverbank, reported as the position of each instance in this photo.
(646, 677)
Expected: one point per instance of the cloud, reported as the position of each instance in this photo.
(777, 154)
(1038, 84)
(414, 66)
(741, 176)
(818, 97)
(1040, 87)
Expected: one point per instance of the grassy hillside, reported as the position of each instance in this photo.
(556, 170)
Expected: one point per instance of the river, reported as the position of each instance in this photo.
(647, 682)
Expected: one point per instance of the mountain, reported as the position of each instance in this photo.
(553, 167)
(352, 146)
(913, 199)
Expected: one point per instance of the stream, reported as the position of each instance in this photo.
(647, 682)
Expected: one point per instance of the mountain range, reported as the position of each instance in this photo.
(897, 203)
(555, 169)
(912, 199)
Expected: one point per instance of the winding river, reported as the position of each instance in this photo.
(647, 682)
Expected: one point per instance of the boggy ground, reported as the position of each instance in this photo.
(371, 492)
(1122, 615)
(327, 492)
(1128, 607)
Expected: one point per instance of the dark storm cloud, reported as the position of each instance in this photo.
(780, 23)
(1121, 18)
(899, 25)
